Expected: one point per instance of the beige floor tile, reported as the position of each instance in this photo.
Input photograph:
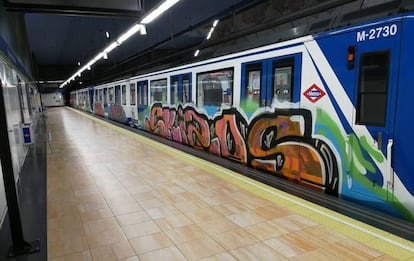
(319, 254)
(230, 208)
(217, 226)
(174, 221)
(235, 239)
(100, 225)
(126, 208)
(67, 221)
(81, 256)
(96, 214)
(154, 203)
(284, 247)
(133, 218)
(185, 234)
(200, 248)
(123, 249)
(150, 242)
(106, 237)
(170, 254)
(257, 252)
(254, 202)
(163, 212)
(203, 215)
(190, 206)
(220, 257)
(293, 222)
(132, 258)
(272, 212)
(245, 219)
(266, 230)
(140, 229)
(72, 243)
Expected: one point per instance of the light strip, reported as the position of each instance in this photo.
(111, 47)
(164, 6)
(158, 11)
(129, 33)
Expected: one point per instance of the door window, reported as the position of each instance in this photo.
(373, 88)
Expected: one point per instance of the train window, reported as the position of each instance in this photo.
(215, 88)
(111, 95)
(186, 89)
(123, 89)
(283, 79)
(373, 88)
(174, 90)
(253, 82)
(118, 94)
(132, 93)
(158, 90)
(100, 95)
(142, 93)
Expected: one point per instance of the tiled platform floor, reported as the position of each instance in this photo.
(112, 196)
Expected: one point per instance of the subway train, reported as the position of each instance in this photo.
(329, 110)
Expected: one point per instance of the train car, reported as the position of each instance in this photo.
(329, 110)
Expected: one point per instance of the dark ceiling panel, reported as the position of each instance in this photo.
(132, 5)
(132, 8)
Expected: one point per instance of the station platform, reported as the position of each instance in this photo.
(115, 195)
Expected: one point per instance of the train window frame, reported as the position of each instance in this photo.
(283, 64)
(111, 95)
(174, 83)
(117, 98)
(123, 94)
(132, 94)
(371, 115)
(164, 90)
(253, 67)
(216, 104)
(142, 93)
(186, 89)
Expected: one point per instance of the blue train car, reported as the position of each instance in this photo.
(329, 110)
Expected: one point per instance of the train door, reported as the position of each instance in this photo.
(377, 54)
(181, 89)
(133, 103)
(142, 101)
(105, 101)
(273, 85)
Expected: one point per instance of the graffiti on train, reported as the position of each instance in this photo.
(278, 142)
(117, 113)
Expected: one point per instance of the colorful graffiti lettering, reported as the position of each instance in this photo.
(278, 142)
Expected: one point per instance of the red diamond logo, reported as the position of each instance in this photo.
(314, 93)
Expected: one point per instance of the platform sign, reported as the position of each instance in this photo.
(27, 134)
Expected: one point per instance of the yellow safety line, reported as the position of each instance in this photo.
(376, 238)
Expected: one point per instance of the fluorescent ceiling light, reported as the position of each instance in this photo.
(105, 56)
(107, 35)
(111, 47)
(215, 23)
(196, 53)
(143, 30)
(210, 33)
(158, 11)
(129, 33)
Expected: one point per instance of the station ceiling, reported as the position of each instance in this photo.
(62, 33)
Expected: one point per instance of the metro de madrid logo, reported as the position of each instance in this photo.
(314, 93)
